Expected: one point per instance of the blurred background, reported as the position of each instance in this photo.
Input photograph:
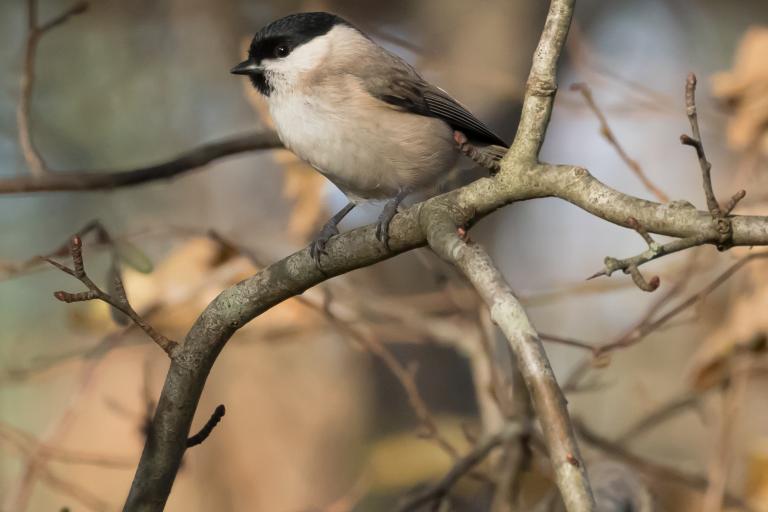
(373, 383)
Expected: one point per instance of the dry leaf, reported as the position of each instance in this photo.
(743, 328)
(745, 89)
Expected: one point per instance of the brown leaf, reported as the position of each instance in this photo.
(743, 328)
(745, 89)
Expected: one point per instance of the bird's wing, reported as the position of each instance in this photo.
(395, 82)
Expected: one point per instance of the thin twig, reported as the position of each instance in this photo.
(35, 162)
(405, 376)
(649, 326)
(441, 489)
(721, 235)
(607, 133)
(29, 445)
(118, 301)
(666, 411)
(654, 251)
(214, 420)
(720, 216)
(698, 145)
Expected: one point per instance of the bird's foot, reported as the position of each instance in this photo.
(389, 211)
(317, 247)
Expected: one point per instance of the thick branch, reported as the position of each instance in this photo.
(105, 180)
(506, 311)
(678, 219)
(542, 82)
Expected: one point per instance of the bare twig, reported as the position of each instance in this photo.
(607, 133)
(649, 323)
(722, 233)
(404, 375)
(666, 411)
(697, 144)
(118, 301)
(719, 215)
(191, 160)
(35, 31)
(29, 445)
(214, 420)
(655, 251)
(36, 465)
(441, 489)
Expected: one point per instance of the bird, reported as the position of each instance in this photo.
(359, 114)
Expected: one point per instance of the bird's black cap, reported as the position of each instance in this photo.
(302, 27)
(288, 33)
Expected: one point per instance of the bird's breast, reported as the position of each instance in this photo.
(363, 146)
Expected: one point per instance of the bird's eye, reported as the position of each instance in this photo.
(282, 50)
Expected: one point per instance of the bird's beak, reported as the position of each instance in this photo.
(247, 67)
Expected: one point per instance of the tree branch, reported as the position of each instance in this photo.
(118, 299)
(506, 311)
(438, 491)
(698, 145)
(542, 84)
(607, 133)
(191, 160)
(214, 420)
(35, 162)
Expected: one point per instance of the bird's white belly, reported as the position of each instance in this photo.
(369, 153)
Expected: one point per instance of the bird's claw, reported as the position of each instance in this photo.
(317, 247)
(382, 227)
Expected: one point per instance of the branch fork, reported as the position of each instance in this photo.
(524, 342)
(35, 31)
(117, 299)
(722, 233)
(720, 216)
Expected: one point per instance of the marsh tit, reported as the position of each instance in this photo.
(359, 114)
